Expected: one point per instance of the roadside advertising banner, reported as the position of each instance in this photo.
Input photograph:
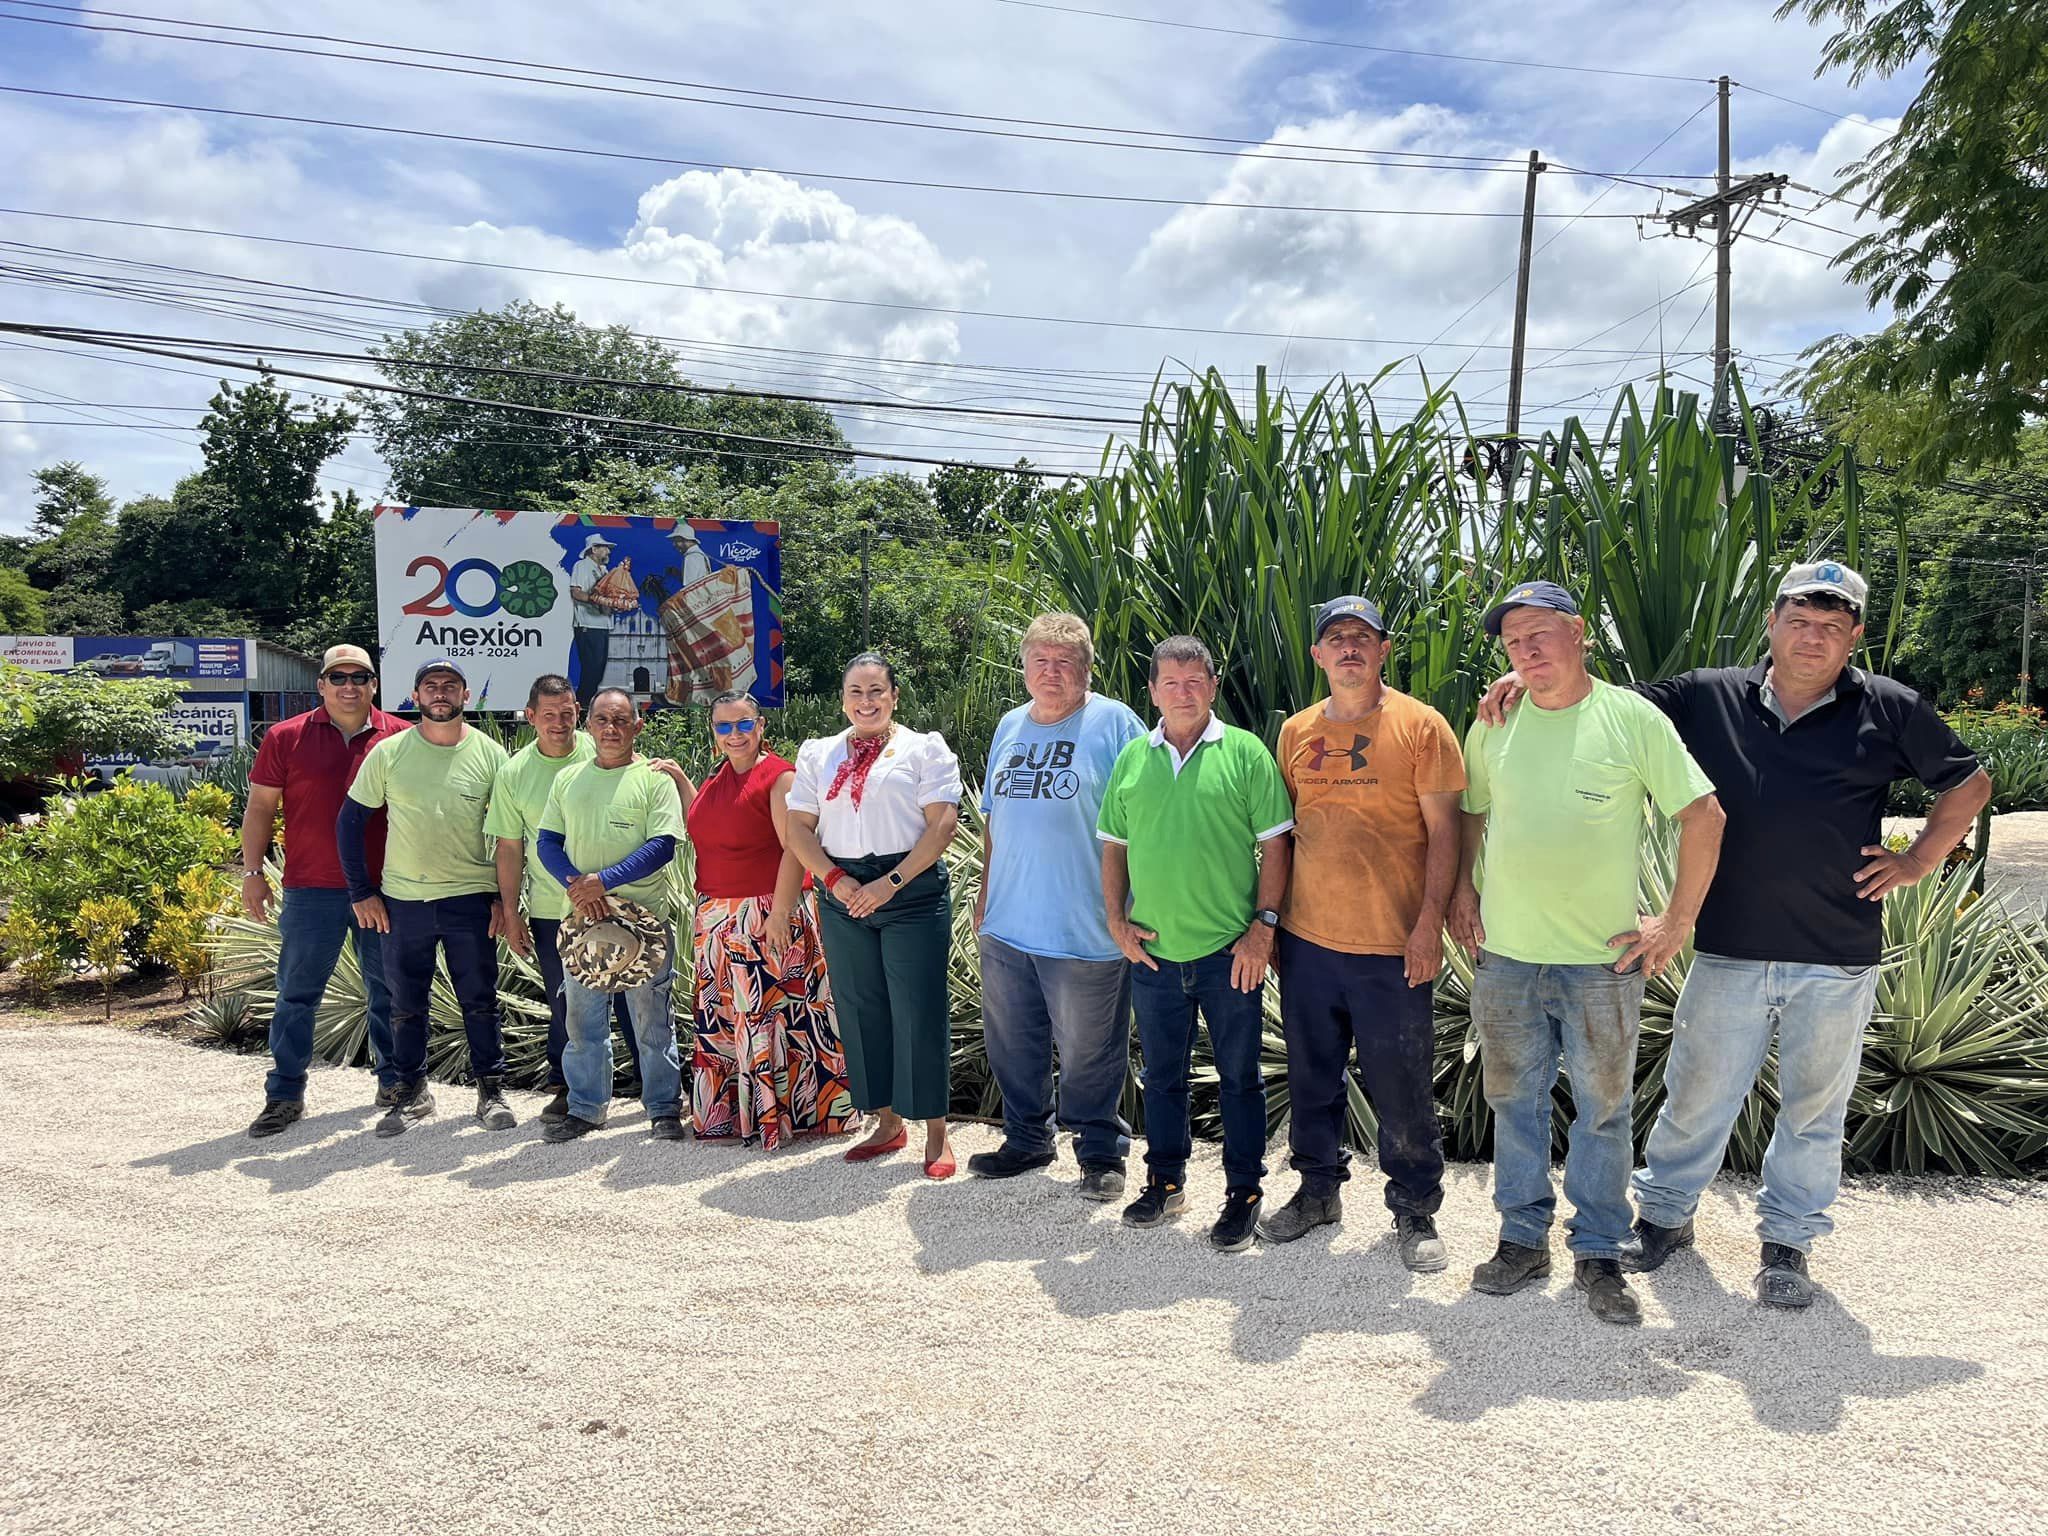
(673, 611)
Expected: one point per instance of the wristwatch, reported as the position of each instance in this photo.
(1268, 916)
(896, 879)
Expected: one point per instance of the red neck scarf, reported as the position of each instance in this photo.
(861, 752)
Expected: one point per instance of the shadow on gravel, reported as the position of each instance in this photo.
(294, 1161)
(636, 1160)
(809, 1183)
(1491, 1351)
(1799, 1369)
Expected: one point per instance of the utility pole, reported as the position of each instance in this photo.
(1536, 168)
(1719, 213)
(2027, 636)
(864, 640)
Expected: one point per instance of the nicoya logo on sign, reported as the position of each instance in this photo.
(739, 552)
(476, 589)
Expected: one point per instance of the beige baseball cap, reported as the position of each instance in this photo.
(344, 655)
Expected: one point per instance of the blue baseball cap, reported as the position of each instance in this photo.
(1359, 608)
(440, 664)
(1530, 594)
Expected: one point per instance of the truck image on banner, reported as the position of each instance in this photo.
(674, 611)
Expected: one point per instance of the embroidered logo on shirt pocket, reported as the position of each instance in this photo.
(1601, 789)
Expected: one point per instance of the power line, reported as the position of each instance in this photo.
(1395, 159)
(1791, 101)
(638, 158)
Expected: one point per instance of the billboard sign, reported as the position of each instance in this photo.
(39, 653)
(217, 724)
(158, 656)
(675, 611)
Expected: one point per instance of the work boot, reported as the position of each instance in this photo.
(413, 1104)
(666, 1128)
(277, 1114)
(1238, 1221)
(1162, 1198)
(492, 1112)
(1099, 1181)
(1607, 1294)
(1649, 1245)
(1783, 1281)
(387, 1095)
(1511, 1267)
(1301, 1215)
(556, 1110)
(1421, 1249)
(1006, 1162)
(569, 1127)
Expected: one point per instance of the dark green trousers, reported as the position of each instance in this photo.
(888, 973)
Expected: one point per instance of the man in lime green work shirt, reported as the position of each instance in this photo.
(610, 829)
(1195, 857)
(440, 888)
(1553, 831)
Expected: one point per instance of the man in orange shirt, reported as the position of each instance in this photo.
(1375, 777)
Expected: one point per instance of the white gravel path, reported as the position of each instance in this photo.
(2017, 872)
(464, 1332)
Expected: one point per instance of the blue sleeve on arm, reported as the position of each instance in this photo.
(351, 832)
(554, 857)
(640, 863)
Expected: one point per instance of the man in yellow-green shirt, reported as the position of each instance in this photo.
(439, 889)
(610, 829)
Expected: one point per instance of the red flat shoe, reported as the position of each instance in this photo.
(868, 1150)
(942, 1167)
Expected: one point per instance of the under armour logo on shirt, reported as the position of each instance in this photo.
(1320, 752)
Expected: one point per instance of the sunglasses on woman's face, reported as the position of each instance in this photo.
(351, 679)
(727, 727)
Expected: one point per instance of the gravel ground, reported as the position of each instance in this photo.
(2017, 873)
(465, 1332)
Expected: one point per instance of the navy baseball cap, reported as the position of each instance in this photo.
(1530, 594)
(440, 664)
(1359, 608)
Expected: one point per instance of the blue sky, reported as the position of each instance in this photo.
(1399, 280)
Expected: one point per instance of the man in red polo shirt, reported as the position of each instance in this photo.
(305, 765)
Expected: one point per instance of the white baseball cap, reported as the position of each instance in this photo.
(1826, 576)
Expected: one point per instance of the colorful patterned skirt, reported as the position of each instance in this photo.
(768, 1064)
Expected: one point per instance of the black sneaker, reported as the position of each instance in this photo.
(1006, 1162)
(569, 1127)
(1783, 1281)
(1162, 1199)
(1101, 1181)
(1649, 1245)
(411, 1106)
(666, 1127)
(1421, 1249)
(1235, 1228)
(1511, 1267)
(387, 1095)
(1301, 1216)
(492, 1112)
(556, 1110)
(277, 1114)
(1607, 1294)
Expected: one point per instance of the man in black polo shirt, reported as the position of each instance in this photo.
(1802, 749)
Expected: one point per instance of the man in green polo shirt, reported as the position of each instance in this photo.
(1546, 901)
(1195, 856)
(610, 830)
(440, 888)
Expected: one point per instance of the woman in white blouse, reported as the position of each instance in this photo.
(870, 814)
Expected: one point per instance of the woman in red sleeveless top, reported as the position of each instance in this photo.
(768, 1064)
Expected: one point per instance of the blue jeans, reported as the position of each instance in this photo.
(1167, 1002)
(1527, 1017)
(587, 1060)
(1029, 1004)
(1725, 1019)
(459, 927)
(311, 925)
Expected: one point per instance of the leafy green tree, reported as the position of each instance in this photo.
(72, 533)
(340, 605)
(52, 721)
(21, 605)
(981, 503)
(68, 498)
(194, 616)
(459, 453)
(182, 548)
(1963, 259)
(79, 608)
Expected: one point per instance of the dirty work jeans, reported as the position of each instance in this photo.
(1167, 1002)
(1030, 1002)
(1528, 1016)
(1328, 1001)
(311, 925)
(1723, 1025)
(587, 1059)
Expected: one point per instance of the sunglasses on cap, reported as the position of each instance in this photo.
(727, 727)
(351, 679)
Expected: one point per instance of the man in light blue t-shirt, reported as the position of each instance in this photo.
(1051, 975)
